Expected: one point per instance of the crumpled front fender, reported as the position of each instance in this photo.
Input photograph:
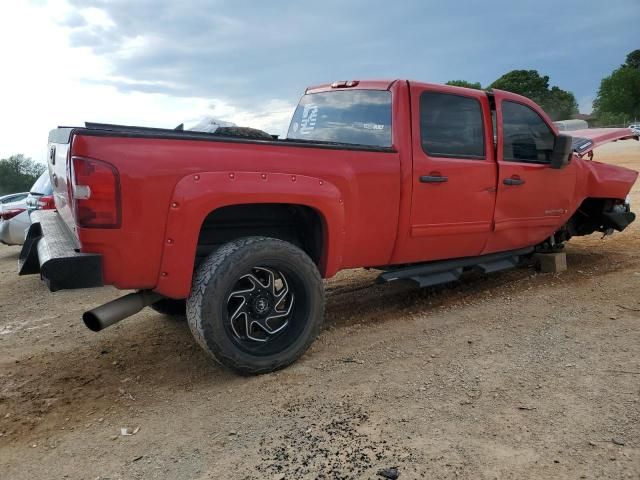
(608, 181)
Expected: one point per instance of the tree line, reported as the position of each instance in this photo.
(617, 101)
(558, 103)
(18, 173)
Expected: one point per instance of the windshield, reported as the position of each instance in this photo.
(361, 117)
(42, 185)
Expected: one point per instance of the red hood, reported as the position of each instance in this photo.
(584, 141)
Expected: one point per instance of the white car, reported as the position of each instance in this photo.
(635, 128)
(15, 222)
(14, 218)
(14, 229)
(14, 200)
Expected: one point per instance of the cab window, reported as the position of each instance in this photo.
(451, 126)
(526, 137)
(356, 117)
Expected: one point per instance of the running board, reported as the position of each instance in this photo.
(443, 271)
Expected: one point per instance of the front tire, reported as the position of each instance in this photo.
(256, 304)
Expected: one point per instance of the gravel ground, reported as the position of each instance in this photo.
(512, 375)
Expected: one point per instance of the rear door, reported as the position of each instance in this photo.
(454, 173)
(533, 198)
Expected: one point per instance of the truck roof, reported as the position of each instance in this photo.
(380, 85)
(361, 85)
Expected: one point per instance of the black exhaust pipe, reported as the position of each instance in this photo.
(110, 313)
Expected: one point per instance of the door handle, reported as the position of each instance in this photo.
(433, 179)
(513, 181)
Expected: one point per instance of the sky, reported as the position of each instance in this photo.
(164, 62)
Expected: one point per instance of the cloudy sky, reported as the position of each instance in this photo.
(163, 62)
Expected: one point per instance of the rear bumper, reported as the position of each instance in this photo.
(4, 232)
(52, 251)
(12, 231)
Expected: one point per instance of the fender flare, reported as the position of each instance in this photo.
(197, 195)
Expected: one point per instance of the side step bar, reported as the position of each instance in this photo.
(443, 271)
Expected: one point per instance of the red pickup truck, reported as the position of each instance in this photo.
(420, 181)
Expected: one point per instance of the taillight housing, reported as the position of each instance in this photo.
(9, 214)
(46, 202)
(95, 188)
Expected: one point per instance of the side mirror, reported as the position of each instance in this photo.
(562, 151)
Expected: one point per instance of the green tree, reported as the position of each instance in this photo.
(527, 83)
(464, 83)
(18, 173)
(633, 59)
(558, 103)
(618, 99)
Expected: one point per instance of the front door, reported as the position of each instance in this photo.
(533, 198)
(454, 173)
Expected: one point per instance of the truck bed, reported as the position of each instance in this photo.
(62, 135)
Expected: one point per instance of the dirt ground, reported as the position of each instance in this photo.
(511, 375)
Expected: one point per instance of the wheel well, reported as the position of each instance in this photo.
(592, 217)
(298, 224)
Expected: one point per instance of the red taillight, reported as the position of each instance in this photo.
(96, 193)
(8, 214)
(46, 202)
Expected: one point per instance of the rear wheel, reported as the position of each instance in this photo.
(256, 304)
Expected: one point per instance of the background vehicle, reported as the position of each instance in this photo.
(41, 194)
(569, 125)
(13, 226)
(406, 177)
(15, 222)
(12, 206)
(635, 128)
(13, 198)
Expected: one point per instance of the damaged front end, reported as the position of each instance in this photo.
(594, 215)
(605, 188)
(597, 215)
(619, 216)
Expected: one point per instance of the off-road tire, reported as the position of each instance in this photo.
(169, 306)
(243, 132)
(207, 305)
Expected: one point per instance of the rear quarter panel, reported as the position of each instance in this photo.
(358, 199)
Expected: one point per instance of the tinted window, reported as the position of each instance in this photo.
(451, 126)
(526, 137)
(42, 185)
(353, 116)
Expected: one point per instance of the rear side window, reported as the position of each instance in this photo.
(526, 137)
(451, 126)
(359, 117)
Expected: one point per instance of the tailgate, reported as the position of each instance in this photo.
(58, 159)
